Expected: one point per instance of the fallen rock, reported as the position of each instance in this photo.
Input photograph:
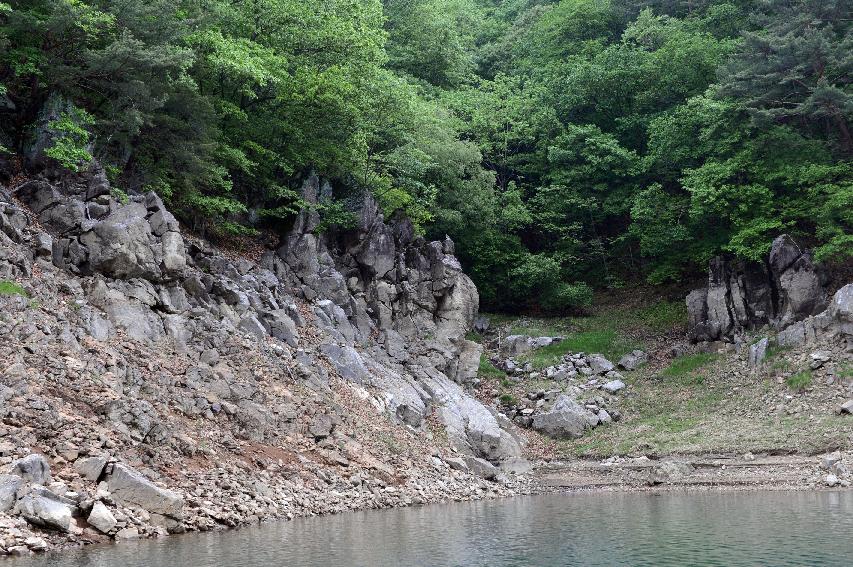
(101, 518)
(846, 407)
(599, 364)
(633, 360)
(818, 358)
(758, 352)
(33, 468)
(567, 419)
(127, 533)
(91, 468)
(45, 512)
(481, 467)
(130, 487)
(614, 386)
(10, 486)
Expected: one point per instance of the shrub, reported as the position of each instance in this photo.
(71, 142)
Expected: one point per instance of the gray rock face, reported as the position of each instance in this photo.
(45, 512)
(137, 239)
(33, 468)
(131, 487)
(744, 295)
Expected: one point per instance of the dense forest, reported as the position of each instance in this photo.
(564, 145)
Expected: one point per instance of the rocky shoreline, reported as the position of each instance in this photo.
(325, 375)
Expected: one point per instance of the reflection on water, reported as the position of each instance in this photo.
(701, 529)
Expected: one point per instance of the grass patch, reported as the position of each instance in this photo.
(845, 371)
(11, 288)
(489, 370)
(799, 381)
(508, 399)
(474, 336)
(663, 315)
(686, 364)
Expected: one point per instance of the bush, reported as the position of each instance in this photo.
(567, 297)
(538, 282)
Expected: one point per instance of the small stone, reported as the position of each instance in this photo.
(827, 461)
(127, 533)
(614, 386)
(819, 358)
(846, 407)
(36, 543)
(831, 480)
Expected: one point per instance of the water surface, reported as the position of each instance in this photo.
(699, 529)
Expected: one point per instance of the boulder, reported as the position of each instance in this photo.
(33, 468)
(613, 386)
(567, 419)
(515, 345)
(633, 360)
(481, 467)
(128, 486)
(599, 364)
(101, 518)
(45, 512)
(91, 468)
(758, 352)
(10, 487)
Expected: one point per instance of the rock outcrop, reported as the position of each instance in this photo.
(744, 295)
(338, 359)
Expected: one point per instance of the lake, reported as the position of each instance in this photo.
(639, 529)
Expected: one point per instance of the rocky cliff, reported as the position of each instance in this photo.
(743, 295)
(160, 384)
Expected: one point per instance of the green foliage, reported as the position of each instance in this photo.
(120, 195)
(563, 144)
(71, 139)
